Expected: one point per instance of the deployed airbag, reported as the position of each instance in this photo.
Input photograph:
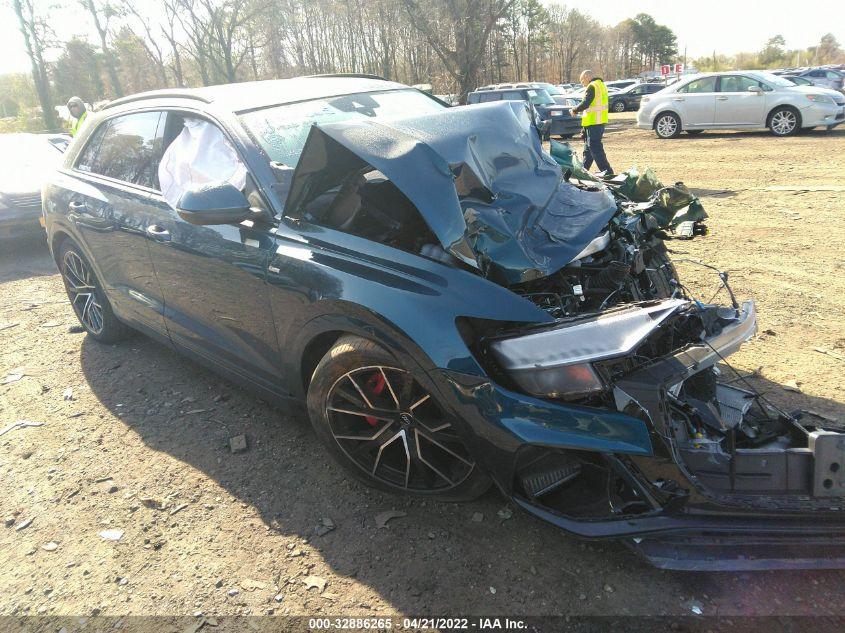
(200, 155)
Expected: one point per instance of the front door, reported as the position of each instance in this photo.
(736, 106)
(215, 295)
(696, 102)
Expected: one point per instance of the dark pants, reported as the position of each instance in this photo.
(593, 148)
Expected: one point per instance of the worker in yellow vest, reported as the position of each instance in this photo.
(595, 108)
(78, 111)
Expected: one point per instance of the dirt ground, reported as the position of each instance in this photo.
(135, 439)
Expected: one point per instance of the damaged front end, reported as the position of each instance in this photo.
(732, 482)
(613, 407)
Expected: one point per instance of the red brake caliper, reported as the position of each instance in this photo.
(374, 386)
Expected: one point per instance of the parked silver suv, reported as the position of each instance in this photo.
(739, 100)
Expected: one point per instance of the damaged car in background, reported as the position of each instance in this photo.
(453, 305)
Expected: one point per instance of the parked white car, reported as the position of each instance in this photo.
(739, 100)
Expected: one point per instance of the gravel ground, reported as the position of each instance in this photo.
(134, 442)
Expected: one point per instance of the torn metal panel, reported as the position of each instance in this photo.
(479, 177)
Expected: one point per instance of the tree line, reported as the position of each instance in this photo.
(774, 54)
(454, 45)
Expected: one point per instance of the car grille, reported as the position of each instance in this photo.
(23, 200)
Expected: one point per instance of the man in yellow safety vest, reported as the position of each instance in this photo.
(595, 108)
(77, 110)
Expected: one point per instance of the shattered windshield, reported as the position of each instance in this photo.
(282, 130)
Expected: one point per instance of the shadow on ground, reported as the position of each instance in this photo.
(434, 560)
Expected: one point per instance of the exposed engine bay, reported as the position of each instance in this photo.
(626, 263)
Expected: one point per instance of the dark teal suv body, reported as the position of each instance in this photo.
(451, 307)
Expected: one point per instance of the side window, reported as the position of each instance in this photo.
(129, 150)
(489, 96)
(737, 83)
(816, 73)
(831, 75)
(705, 84)
(514, 95)
(88, 156)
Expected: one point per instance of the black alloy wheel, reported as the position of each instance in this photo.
(386, 428)
(86, 296)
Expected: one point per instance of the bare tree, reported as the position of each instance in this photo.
(101, 15)
(150, 42)
(33, 31)
(462, 35)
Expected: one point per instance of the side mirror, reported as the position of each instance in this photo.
(216, 203)
(755, 89)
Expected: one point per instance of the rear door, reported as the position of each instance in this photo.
(736, 106)
(213, 282)
(109, 205)
(696, 102)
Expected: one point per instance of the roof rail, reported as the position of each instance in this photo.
(357, 75)
(158, 94)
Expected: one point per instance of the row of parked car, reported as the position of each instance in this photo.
(784, 101)
(823, 76)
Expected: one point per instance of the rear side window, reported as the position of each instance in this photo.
(705, 84)
(126, 148)
(514, 95)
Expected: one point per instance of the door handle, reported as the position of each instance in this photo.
(158, 233)
(677, 98)
(75, 205)
(721, 98)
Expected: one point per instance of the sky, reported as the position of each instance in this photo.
(726, 26)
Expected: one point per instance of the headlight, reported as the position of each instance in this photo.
(821, 99)
(556, 362)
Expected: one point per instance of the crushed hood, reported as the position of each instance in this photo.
(479, 177)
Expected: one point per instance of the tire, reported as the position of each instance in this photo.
(693, 132)
(784, 121)
(618, 106)
(408, 445)
(667, 125)
(87, 297)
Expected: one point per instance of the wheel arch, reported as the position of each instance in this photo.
(660, 113)
(318, 336)
(57, 238)
(778, 106)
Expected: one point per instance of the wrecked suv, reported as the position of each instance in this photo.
(452, 304)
